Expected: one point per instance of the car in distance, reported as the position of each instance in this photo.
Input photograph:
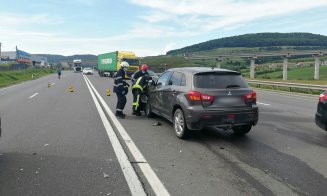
(88, 71)
(195, 98)
(321, 114)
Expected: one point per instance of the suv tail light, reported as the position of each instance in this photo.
(197, 96)
(322, 98)
(251, 97)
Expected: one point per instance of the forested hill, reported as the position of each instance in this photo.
(52, 58)
(257, 40)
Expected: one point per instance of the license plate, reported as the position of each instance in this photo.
(229, 100)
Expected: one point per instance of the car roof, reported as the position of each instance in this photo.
(195, 70)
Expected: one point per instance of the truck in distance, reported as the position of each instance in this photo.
(109, 63)
(77, 65)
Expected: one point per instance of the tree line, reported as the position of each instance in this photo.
(273, 41)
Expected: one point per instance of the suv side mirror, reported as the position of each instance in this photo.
(158, 85)
(151, 83)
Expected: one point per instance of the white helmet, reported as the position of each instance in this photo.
(124, 64)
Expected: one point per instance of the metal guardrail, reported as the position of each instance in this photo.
(284, 84)
(289, 85)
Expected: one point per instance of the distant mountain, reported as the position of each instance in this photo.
(257, 40)
(52, 58)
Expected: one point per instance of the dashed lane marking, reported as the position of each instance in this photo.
(266, 104)
(33, 95)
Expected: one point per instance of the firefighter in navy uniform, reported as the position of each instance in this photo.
(142, 72)
(121, 89)
(139, 88)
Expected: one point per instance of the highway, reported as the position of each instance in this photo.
(56, 142)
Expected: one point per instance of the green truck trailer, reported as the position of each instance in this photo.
(109, 63)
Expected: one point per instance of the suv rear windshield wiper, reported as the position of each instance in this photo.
(232, 86)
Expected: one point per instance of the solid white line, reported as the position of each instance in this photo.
(150, 175)
(53, 84)
(263, 103)
(133, 182)
(33, 95)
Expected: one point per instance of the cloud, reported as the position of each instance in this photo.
(10, 19)
(163, 25)
(216, 14)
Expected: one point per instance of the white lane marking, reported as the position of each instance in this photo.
(263, 103)
(53, 84)
(150, 175)
(33, 95)
(133, 182)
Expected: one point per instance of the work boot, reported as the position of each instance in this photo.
(120, 114)
(138, 114)
(134, 112)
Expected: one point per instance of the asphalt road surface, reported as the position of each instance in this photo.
(56, 142)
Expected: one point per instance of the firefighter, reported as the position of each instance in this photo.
(139, 88)
(121, 89)
(143, 71)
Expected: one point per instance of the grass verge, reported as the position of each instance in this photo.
(8, 78)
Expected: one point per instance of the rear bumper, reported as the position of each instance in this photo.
(197, 120)
(320, 121)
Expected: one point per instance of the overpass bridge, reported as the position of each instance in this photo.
(316, 54)
(85, 63)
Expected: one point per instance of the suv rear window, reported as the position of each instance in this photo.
(219, 80)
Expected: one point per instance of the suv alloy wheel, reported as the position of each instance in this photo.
(180, 124)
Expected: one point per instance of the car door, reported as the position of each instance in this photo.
(157, 92)
(170, 94)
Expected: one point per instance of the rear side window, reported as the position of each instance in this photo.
(219, 80)
(177, 79)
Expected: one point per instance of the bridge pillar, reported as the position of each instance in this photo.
(285, 65)
(252, 67)
(317, 67)
(218, 61)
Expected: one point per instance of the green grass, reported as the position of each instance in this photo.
(13, 77)
(157, 63)
(295, 75)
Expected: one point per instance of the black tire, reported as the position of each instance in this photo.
(179, 124)
(242, 130)
(147, 110)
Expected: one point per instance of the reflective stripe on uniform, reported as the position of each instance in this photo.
(137, 102)
(136, 85)
(119, 110)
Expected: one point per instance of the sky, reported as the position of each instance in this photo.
(147, 27)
